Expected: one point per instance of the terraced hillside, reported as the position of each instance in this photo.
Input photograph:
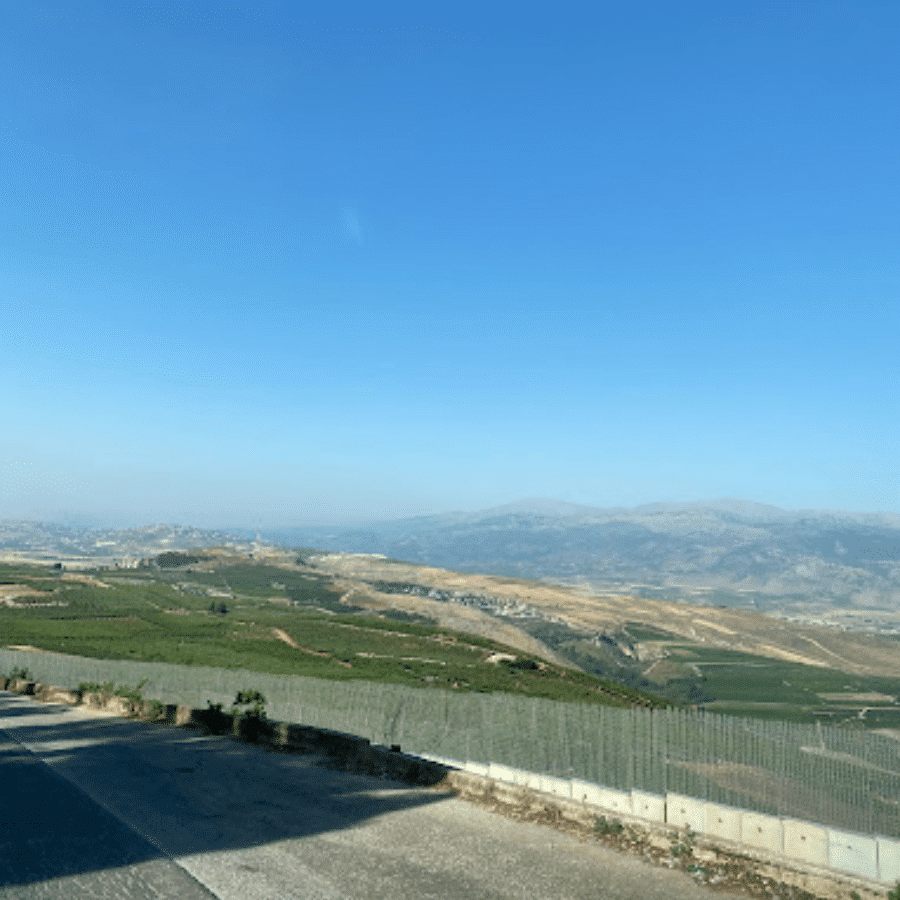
(224, 609)
(358, 616)
(727, 659)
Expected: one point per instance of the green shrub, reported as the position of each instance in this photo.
(250, 704)
(22, 673)
(217, 721)
(215, 718)
(108, 689)
(685, 846)
(94, 687)
(608, 826)
(249, 711)
(155, 709)
(129, 693)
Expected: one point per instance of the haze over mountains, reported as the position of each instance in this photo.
(726, 551)
(729, 551)
(63, 542)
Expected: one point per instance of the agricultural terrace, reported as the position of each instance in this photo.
(210, 611)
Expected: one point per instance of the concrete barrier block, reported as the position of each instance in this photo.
(499, 772)
(401, 766)
(380, 758)
(476, 768)
(254, 731)
(584, 791)
(722, 821)
(282, 736)
(559, 787)
(431, 757)
(805, 841)
(118, 706)
(685, 812)
(184, 715)
(60, 695)
(615, 801)
(853, 853)
(888, 860)
(521, 778)
(301, 738)
(151, 710)
(648, 806)
(762, 832)
(337, 743)
(532, 781)
(443, 760)
(596, 795)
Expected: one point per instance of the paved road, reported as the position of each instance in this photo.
(96, 806)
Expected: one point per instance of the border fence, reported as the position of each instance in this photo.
(840, 777)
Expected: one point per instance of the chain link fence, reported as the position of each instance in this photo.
(835, 776)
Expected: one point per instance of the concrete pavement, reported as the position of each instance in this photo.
(96, 806)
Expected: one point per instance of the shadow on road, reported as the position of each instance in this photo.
(32, 709)
(81, 793)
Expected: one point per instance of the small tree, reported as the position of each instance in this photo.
(249, 704)
(217, 721)
(249, 710)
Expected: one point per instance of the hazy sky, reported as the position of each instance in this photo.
(272, 264)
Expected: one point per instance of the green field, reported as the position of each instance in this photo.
(222, 611)
(728, 681)
(224, 614)
(748, 685)
(743, 685)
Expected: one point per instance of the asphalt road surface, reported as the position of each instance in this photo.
(92, 806)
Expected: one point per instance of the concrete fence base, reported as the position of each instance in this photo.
(814, 853)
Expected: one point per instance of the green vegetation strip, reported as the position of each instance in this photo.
(225, 618)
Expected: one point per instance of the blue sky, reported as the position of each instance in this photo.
(269, 264)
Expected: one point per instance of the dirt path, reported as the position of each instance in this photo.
(282, 635)
(11, 592)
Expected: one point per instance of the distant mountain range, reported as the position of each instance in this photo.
(730, 552)
(62, 542)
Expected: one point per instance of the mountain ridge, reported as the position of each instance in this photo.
(760, 554)
(728, 551)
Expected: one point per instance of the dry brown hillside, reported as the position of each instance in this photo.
(749, 632)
